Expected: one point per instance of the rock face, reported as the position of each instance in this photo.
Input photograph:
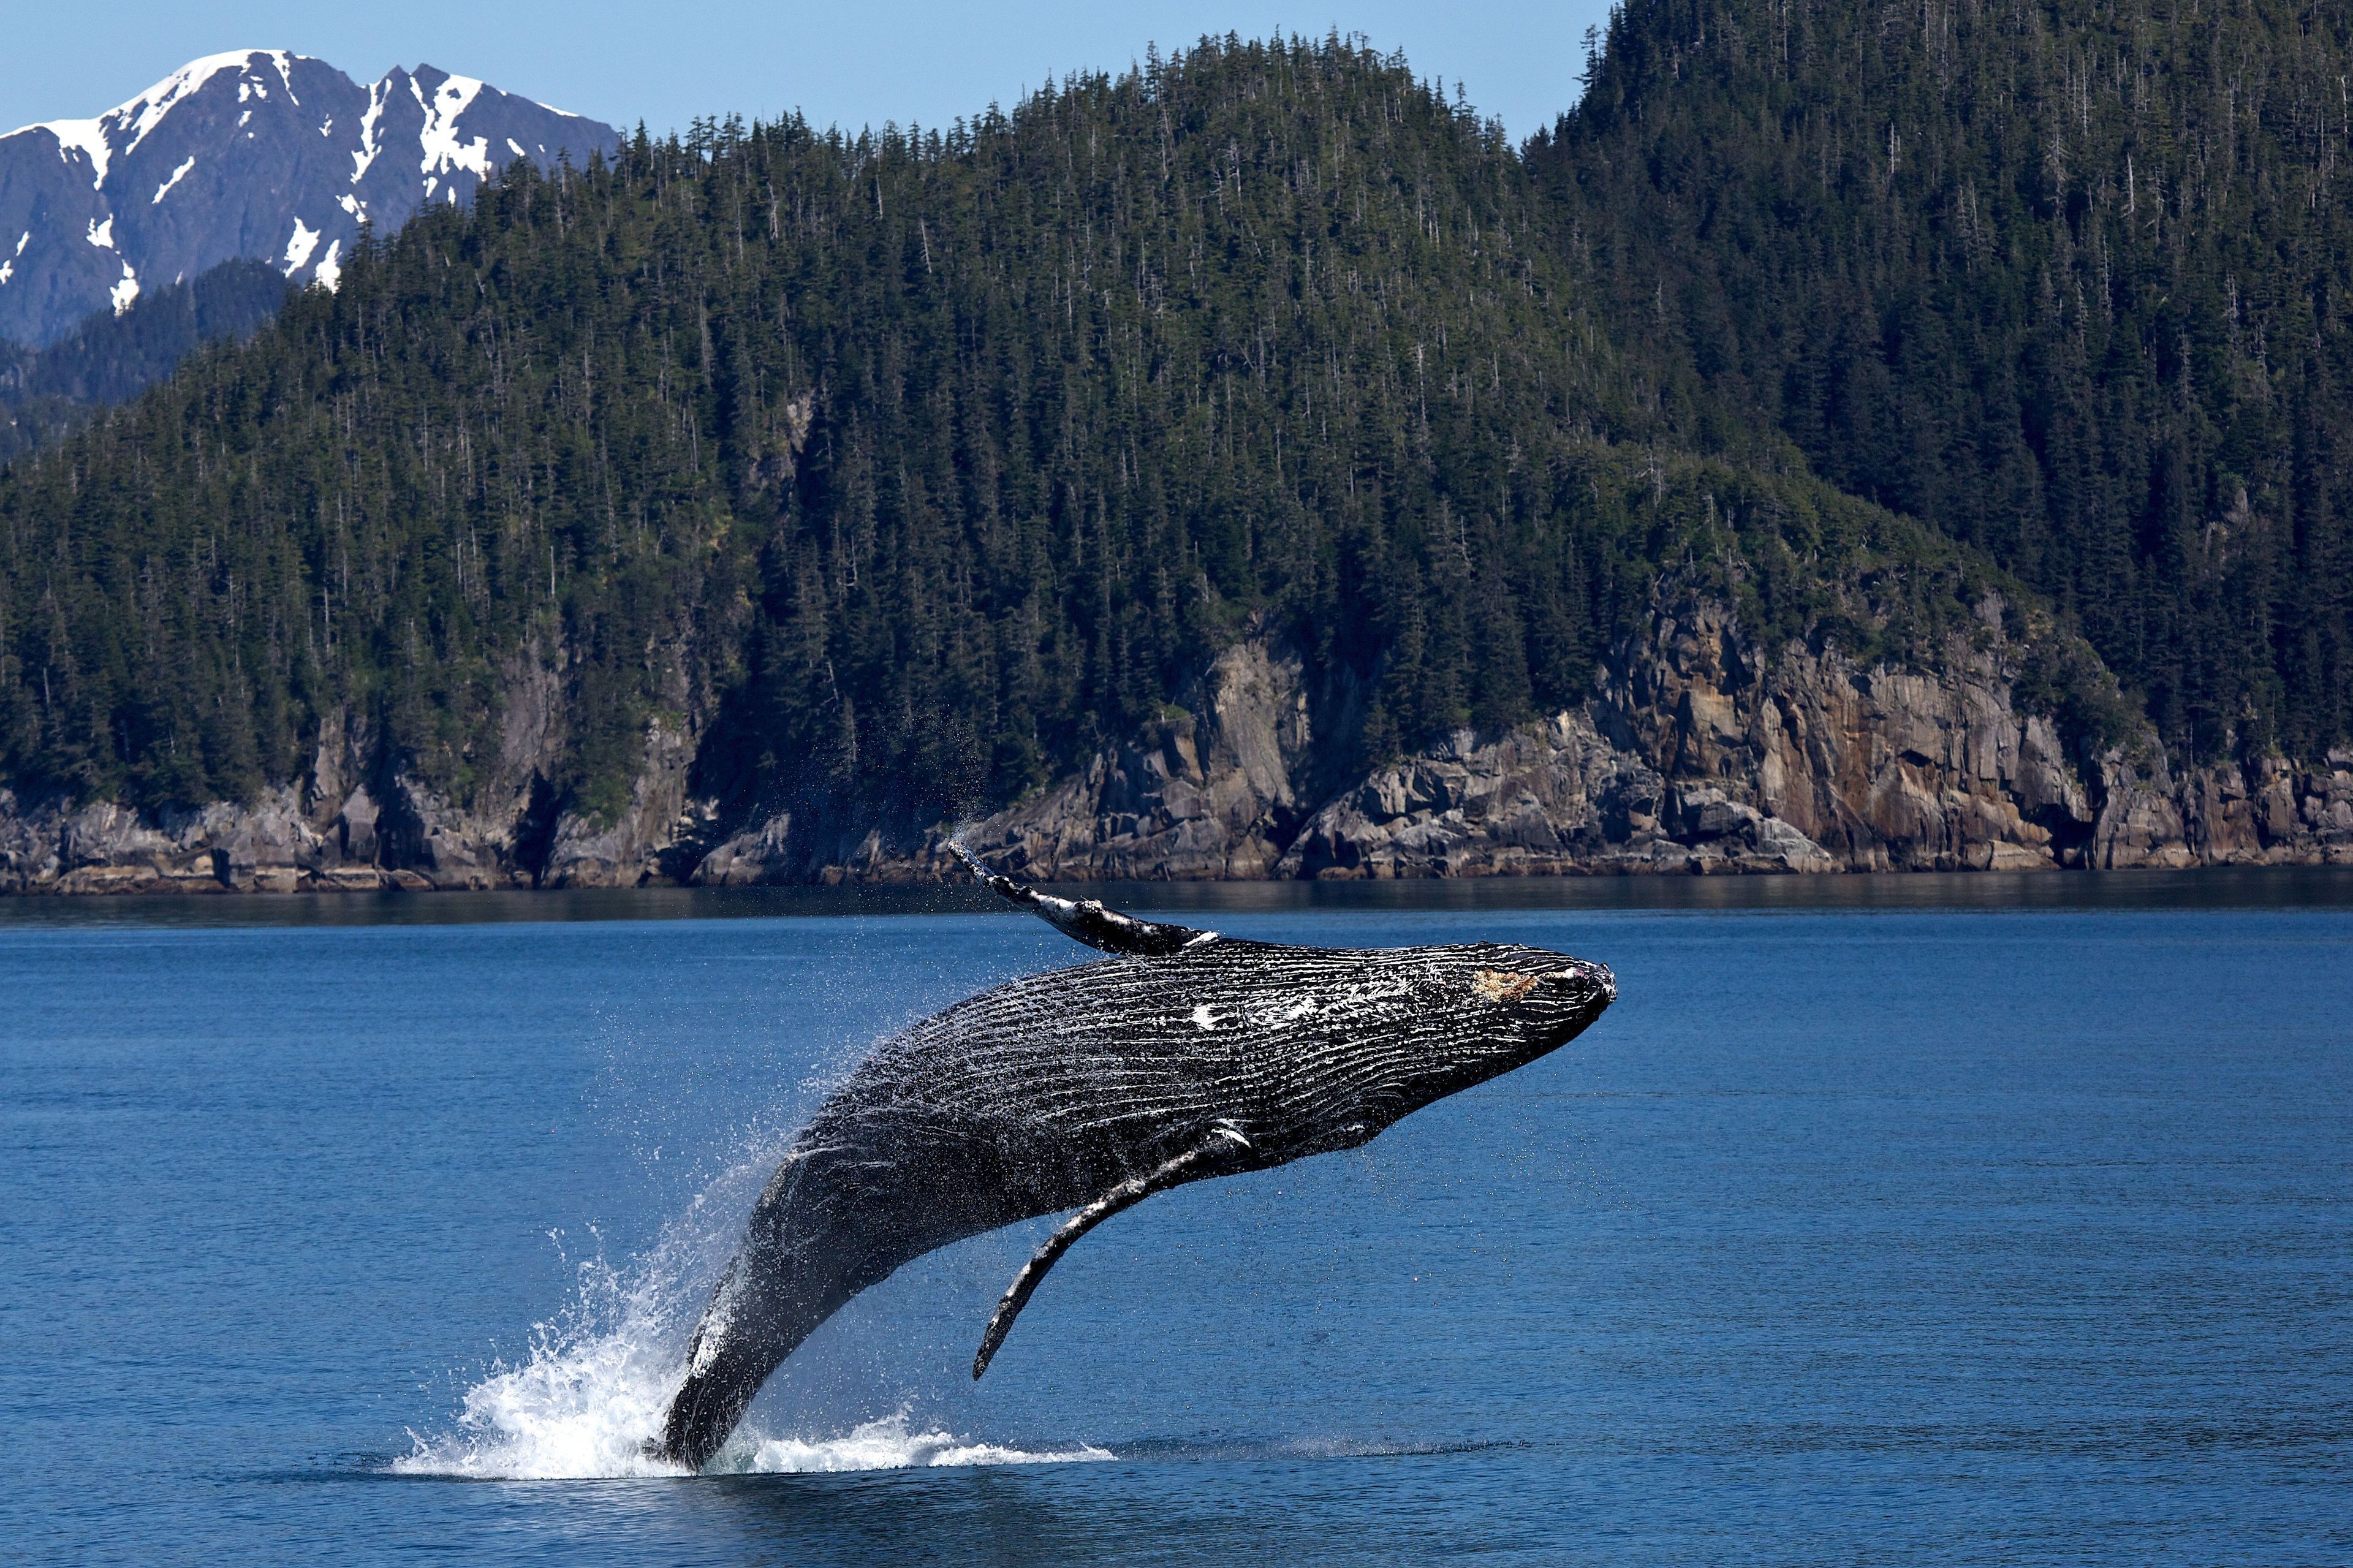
(259, 154)
(1698, 751)
(1215, 790)
(2267, 814)
(632, 849)
(361, 821)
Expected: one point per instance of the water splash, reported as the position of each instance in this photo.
(599, 1378)
(595, 1385)
(887, 1445)
(541, 1428)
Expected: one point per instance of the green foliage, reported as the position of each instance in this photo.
(921, 461)
(2063, 679)
(45, 392)
(2067, 280)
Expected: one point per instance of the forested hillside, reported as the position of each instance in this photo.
(1138, 468)
(2068, 279)
(109, 358)
(915, 462)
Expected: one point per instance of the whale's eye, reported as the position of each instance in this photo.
(1495, 985)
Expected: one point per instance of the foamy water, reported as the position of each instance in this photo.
(598, 1380)
(585, 1409)
(522, 1426)
(577, 1408)
(887, 1445)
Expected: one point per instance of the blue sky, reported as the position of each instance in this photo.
(851, 64)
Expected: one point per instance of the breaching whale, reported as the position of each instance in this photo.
(1183, 1055)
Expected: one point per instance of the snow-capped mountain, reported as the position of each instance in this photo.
(260, 154)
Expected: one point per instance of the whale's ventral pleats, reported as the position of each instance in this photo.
(1183, 1055)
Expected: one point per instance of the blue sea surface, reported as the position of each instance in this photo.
(1871, 1227)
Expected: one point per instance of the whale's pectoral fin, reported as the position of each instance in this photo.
(1222, 1145)
(1087, 921)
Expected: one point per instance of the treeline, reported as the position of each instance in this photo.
(2068, 279)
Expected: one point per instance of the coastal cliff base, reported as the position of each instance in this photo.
(1699, 751)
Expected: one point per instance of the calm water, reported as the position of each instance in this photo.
(1873, 1231)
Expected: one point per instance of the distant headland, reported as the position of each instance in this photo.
(1847, 441)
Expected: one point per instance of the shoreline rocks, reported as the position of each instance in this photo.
(1698, 752)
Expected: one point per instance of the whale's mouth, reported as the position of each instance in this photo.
(1595, 975)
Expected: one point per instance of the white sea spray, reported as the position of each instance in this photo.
(598, 1378)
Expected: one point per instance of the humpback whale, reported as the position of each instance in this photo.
(1183, 1054)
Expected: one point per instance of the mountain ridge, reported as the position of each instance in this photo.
(256, 154)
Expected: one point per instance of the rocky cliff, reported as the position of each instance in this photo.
(1699, 749)
(364, 820)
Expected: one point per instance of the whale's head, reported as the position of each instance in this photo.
(1450, 1018)
(1497, 1007)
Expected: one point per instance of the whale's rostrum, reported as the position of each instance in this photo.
(1183, 1054)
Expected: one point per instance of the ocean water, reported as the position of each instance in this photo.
(1883, 1221)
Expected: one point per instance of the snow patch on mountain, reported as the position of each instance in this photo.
(299, 249)
(445, 150)
(143, 113)
(176, 175)
(86, 137)
(368, 121)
